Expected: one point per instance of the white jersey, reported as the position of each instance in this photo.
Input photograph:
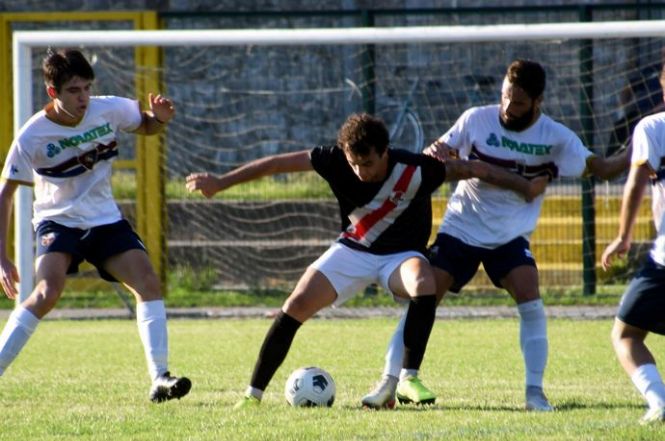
(70, 167)
(485, 215)
(649, 146)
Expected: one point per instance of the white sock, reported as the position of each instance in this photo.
(647, 380)
(533, 340)
(395, 352)
(404, 373)
(254, 392)
(18, 329)
(151, 320)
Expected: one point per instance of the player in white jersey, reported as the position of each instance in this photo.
(384, 197)
(485, 223)
(66, 151)
(642, 307)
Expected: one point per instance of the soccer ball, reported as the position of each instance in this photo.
(309, 387)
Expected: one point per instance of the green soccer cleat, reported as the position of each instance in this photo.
(412, 390)
(247, 402)
(655, 415)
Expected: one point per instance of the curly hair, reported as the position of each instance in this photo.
(362, 132)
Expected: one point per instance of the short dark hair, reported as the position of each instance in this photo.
(61, 66)
(362, 132)
(528, 76)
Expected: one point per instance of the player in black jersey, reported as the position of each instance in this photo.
(384, 196)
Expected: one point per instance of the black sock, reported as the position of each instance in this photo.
(418, 325)
(274, 349)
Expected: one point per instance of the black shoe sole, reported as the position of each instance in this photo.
(178, 390)
(404, 400)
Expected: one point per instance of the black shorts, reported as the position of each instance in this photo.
(461, 260)
(94, 245)
(643, 303)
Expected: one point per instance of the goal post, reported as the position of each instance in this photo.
(199, 40)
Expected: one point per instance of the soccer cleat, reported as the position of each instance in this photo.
(536, 400)
(653, 416)
(383, 395)
(247, 402)
(166, 387)
(412, 390)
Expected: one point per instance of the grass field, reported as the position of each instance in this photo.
(87, 381)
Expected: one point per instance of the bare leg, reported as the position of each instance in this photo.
(638, 362)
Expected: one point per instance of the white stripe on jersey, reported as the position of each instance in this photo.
(369, 221)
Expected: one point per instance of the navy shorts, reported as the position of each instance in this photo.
(461, 260)
(94, 245)
(643, 303)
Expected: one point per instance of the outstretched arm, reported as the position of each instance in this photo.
(160, 113)
(8, 273)
(456, 170)
(529, 189)
(633, 192)
(611, 166)
(209, 184)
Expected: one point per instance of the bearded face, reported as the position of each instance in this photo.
(517, 123)
(518, 110)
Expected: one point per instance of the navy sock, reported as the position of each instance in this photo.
(417, 328)
(274, 349)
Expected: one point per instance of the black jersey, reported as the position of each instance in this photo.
(383, 217)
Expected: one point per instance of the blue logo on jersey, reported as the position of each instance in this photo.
(493, 140)
(52, 150)
(13, 169)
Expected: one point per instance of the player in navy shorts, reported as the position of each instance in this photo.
(642, 307)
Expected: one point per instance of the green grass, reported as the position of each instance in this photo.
(87, 381)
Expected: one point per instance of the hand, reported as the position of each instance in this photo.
(537, 186)
(619, 247)
(161, 107)
(206, 183)
(8, 278)
(441, 151)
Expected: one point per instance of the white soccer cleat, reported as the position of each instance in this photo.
(653, 416)
(383, 395)
(536, 400)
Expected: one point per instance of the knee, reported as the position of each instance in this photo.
(618, 337)
(149, 289)
(422, 283)
(301, 307)
(44, 297)
(297, 306)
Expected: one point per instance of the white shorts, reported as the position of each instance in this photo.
(350, 271)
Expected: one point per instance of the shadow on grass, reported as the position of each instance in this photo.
(565, 406)
(575, 405)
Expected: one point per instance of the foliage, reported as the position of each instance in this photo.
(288, 186)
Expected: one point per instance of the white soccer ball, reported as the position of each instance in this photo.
(309, 387)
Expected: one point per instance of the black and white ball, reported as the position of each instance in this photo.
(309, 387)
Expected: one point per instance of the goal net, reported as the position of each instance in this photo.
(241, 95)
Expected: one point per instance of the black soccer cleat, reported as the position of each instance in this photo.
(166, 388)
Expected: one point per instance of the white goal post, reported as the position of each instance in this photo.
(25, 41)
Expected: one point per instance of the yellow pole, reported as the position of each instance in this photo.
(151, 210)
